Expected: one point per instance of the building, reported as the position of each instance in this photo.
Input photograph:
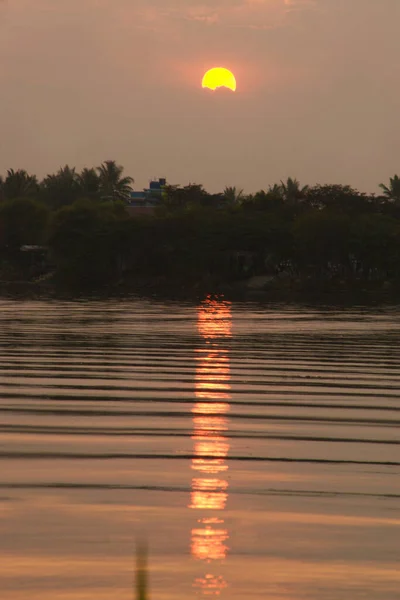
(146, 201)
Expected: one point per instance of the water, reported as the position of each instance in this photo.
(255, 447)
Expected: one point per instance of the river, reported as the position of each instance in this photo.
(255, 447)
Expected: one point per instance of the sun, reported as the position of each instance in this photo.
(219, 77)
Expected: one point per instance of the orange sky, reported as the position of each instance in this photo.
(318, 89)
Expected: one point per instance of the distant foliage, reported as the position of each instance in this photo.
(18, 184)
(87, 241)
(62, 188)
(288, 230)
(22, 221)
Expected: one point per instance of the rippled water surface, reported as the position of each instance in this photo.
(255, 447)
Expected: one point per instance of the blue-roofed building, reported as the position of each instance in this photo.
(157, 186)
(150, 196)
(147, 200)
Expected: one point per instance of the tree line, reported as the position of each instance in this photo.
(105, 182)
(292, 232)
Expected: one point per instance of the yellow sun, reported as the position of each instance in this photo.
(219, 77)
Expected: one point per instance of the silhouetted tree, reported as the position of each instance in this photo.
(190, 196)
(392, 191)
(89, 183)
(22, 221)
(18, 184)
(233, 196)
(276, 190)
(322, 242)
(62, 188)
(272, 199)
(343, 198)
(113, 186)
(291, 190)
(376, 246)
(323, 231)
(86, 240)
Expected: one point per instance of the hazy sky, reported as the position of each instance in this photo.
(318, 89)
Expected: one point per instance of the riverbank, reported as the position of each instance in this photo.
(258, 289)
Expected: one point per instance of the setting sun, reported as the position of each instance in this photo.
(219, 77)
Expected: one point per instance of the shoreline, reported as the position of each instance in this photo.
(278, 291)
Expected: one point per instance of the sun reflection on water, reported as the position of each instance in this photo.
(210, 444)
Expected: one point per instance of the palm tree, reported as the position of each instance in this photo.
(89, 183)
(112, 185)
(392, 191)
(292, 191)
(233, 196)
(18, 184)
(62, 188)
(276, 191)
(272, 199)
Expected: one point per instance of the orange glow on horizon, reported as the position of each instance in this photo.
(219, 77)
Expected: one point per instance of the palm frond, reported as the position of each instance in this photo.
(384, 188)
(392, 191)
(112, 184)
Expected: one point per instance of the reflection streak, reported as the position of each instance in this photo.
(211, 446)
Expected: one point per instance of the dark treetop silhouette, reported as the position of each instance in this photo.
(74, 227)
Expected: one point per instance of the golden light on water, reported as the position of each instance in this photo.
(209, 493)
(214, 320)
(206, 425)
(211, 585)
(218, 77)
(208, 543)
(211, 447)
